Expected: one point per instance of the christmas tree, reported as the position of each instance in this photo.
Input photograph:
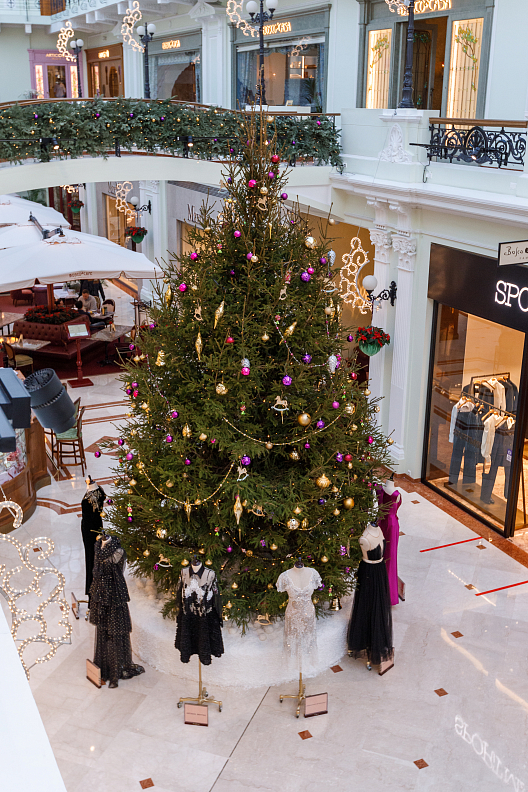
(249, 442)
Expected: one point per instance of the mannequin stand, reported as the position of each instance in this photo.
(203, 695)
(300, 696)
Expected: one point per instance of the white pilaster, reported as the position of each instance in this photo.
(88, 195)
(216, 60)
(133, 72)
(405, 246)
(154, 245)
(382, 242)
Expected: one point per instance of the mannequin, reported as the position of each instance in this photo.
(370, 626)
(198, 614)
(91, 525)
(390, 498)
(109, 612)
(300, 636)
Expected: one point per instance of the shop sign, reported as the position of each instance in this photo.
(513, 253)
(168, 45)
(104, 54)
(506, 292)
(427, 7)
(277, 27)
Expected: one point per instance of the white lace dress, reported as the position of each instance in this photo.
(300, 638)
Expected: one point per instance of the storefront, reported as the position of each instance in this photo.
(295, 63)
(52, 75)
(175, 67)
(105, 71)
(451, 55)
(476, 447)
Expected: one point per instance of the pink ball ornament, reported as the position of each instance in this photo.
(287, 380)
(109, 501)
(350, 338)
(229, 549)
(120, 441)
(152, 325)
(187, 461)
(129, 456)
(237, 234)
(135, 394)
(370, 440)
(156, 567)
(249, 256)
(348, 457)
(310, 270)
(307, 445)
(168, 439)
(320, 424)
(335, 405)
(129, 391)
(252, 183)
(97, 454)
(339, 358)
(174, 414)
(131, 347)
(129, 519)
(305, 276)
(318, 122)
(135, 385)
(230, 340)
(194, 255)
(213, 441)
(245, 371)
(271, 175)
(182, 287)
(353, 376)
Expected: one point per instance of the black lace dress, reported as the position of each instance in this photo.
(109, 612)
(370, 626)
(198, 615)
(91, 525)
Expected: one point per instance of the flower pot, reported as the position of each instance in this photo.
(75, 209)
(369, 348)
(138, 238)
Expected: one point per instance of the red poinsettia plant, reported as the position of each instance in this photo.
(372, 335)
(133, 231)
(75, 203)
(44, 315)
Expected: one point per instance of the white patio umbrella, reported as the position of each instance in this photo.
(29, 234)
(71, 257)
(16, 210)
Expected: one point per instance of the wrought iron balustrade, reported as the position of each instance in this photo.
(497, 143)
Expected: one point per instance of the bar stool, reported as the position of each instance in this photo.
(69, 447)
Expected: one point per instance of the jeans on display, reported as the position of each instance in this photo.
(500, 457)
(466, 444)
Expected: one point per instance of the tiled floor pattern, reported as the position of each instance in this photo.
(452, 714)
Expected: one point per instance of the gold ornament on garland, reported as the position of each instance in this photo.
(269, 446)
(198, 345)
(323, 482)
(187, 506)
(237, 509)
(219, 313)
(304, 419)
(221, 389)
(292, 524)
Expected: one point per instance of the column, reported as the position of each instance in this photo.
(88, 195)
(405, 246)
(216, 63)
(154, 245)
(133, 72)
(382, 242)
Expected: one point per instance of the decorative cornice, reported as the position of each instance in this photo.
(406, 249)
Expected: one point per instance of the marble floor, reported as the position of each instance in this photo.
(452, 714)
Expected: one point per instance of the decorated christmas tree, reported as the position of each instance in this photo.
(249, 442)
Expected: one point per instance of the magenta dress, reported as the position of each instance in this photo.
(390, 526)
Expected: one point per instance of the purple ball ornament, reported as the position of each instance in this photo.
(121, 441)
(131, 115)
(245, 460)
(174, 414)
(335, 405)
(131, 347)
(229, 179)
(310, 270)
(156, 567)
(271, 175)
(152, 325)
(339, 457)
(97, 454)
(194, 255)
(321, 501)
(129, 456)
(305, 276)
(318, 122)
(307, 358)
(293, 142)
(109, 501)
(162, 118)
(323, 260)
(129, 518)
(287, 380)
(187, 461)
(135, 385)
(231, 272)
(129, 391)
(249, 256)
(229, 549)
(237, 234)
(307, 445)
(284, 196)
(320, 424)
(97, 115)
(168, 439)
(182, 287)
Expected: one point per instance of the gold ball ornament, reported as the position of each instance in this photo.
(293, 524)
(323, 482)
(254, 259)
(348, 503)
(304, 419)
(228, 605)
(203, 436)
(270, 585)
(221, 389)
(234, 585)
(377, 408)
(169, 484)
(130, 492)
(350, 465)
(249, 553)
(332, 221)
(335, 489)
(324, 559)
(366, 392)
(309, 242)
(390, 441)
(201, 551)
(146, 553)
(208, 562)
(185, 562)
(294, 455)
(198, 502)
(336, 512)
(350, 408)
(353, 428)
(297, 510)
(269, 446)
(273, 547)
(329, 310)
(263, 190)
(265, 337)
(161, 533)
(102, 514)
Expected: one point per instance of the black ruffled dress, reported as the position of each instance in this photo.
(370, 626)
(91, 525)
(198, 615)
(109, 612)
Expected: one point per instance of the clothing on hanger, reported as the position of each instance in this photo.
(499, 397)
(488, 436)
(501, 456)
(467, 440)
(463, 405)
(91, 524)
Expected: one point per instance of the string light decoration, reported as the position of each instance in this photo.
(122, 190)
(289, 442)
(65, 34)
(132, 17)
(234, 11)
(19, 615)
(349, 274)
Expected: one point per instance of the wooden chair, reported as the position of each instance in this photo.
(21, 295)
(69, 447)
(15, 361)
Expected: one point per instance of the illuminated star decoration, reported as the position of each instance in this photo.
(19, 615)
(348, 277)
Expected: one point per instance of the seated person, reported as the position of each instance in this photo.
(95, 324)
(88, 301)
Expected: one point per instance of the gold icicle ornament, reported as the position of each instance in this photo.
(186, 431)
(219, 313)
(168, 295)
(198, 345)
(237, 509)
(289, 330)
(160, 361)
(187, 506)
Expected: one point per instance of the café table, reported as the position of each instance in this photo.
(27, 345)
(108, 336)
(7, 319)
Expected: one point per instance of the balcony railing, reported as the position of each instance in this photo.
(500, 144)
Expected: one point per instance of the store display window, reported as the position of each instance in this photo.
(378, 75)
(105, 71)
(116, 221)
(176, 75)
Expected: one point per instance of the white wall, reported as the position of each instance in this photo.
(507, 96)
(14, 59)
